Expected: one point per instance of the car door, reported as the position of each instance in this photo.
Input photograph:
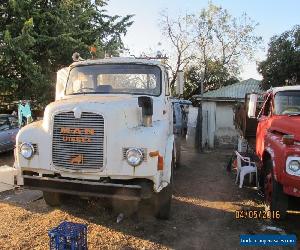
(14, 129)
(4, 134)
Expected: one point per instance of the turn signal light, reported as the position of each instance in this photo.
(160, 163)
(154, 154)
(288, 139)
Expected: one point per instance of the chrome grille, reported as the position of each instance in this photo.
(72, 146)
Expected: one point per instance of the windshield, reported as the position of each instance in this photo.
(287, 103)
(115, 78)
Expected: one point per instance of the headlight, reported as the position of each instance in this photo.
(26, 150)
(294, 166)
(134, 156)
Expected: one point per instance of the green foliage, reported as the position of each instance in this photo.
(282, 66)
(217, 76)
(38, 37)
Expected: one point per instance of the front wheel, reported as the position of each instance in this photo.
(276, 199)
(162, 200)
(52, 199)
(162, 203)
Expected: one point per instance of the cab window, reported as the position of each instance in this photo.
(268, 107)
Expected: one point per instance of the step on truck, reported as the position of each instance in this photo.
(108, 134)
(278, 145)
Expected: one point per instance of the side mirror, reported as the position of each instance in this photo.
(61, 81)
(252, 106)
(180, 83)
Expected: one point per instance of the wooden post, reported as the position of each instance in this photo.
(198, 139)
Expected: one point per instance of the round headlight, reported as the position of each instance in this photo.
(294, 166)
(134, 156)
(26, 150)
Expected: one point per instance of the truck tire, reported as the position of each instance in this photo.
(162, 200)
(276, 199)
(52, 199)
(177, 161)
(162, 203)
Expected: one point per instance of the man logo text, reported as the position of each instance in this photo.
(77, 131)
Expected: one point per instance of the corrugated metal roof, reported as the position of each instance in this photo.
(236, 90)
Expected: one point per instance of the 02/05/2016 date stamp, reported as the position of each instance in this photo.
(257, 214)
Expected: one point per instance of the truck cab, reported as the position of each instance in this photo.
(109, 133)
(278, 145)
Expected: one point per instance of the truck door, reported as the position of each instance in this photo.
(264, 122)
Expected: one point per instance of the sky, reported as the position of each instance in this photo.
(274, 17)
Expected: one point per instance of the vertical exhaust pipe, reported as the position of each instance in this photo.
(146, 103)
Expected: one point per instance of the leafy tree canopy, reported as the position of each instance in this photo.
(37, 37)
(217, 76)
(282, 66)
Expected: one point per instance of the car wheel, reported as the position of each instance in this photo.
(52, 199)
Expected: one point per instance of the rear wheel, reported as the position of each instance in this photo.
(52, 199)
(178, 153)
(275, 198)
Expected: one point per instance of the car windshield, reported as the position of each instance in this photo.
(287, 103)
(115, 79)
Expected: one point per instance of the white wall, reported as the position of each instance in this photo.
(218, 124)
(208, 124)
(224, 116)
(191, 126)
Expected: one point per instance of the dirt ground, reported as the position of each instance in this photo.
(203, 214)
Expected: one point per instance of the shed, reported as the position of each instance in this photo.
(218, 128)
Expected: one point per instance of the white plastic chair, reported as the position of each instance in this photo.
(246, 169)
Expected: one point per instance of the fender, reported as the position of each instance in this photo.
(168, 161)
(268, 151)
(277, 151)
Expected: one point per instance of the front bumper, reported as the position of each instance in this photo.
(85, 188)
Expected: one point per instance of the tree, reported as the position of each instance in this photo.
(178, 33)
(215, 42)
(39, 37)
(282, 66)
(217, 76)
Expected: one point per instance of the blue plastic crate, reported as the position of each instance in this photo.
(68, 235)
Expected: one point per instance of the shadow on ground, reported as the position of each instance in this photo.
(203, 214)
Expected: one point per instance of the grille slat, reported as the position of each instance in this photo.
(90, 152)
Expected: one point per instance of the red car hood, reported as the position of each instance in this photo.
(287, 125)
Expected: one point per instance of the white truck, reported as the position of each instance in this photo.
(109, 133)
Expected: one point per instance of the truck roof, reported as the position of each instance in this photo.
(117, 60)
(284, 88)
